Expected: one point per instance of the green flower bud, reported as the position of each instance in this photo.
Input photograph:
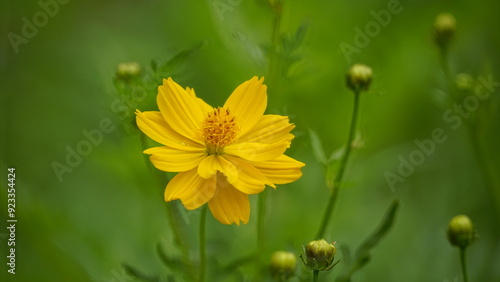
(359, 77)
(464, 82)
(127, 71)
(319, 255)
(461, 231)
(283, 265)
(444, 29)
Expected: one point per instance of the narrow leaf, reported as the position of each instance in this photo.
(317, 147)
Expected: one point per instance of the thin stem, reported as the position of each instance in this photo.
(340, 174)
(176, 225)
(463, 263)
(261, 212)
(275, 37)
(203, 243)
(315, 275)
(260, 221)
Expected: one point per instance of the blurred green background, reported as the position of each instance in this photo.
(109, 209)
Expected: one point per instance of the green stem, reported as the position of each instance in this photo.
(260, 221)
(175, 223)
(463, 263)
(275, 37)
(261, 212)
(443, 57)
(203, 244)
(315, 275)
(340, 174)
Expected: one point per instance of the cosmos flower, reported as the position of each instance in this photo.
(222, 154)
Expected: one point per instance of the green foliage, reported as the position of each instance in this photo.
(363, 255)
(107, 214)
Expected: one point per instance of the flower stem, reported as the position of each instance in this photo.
(277, 8)
(176, 225)
(203, 243)
(463, 263)
(340, 174)
(261, 212)
(260, 221)
(315, 275)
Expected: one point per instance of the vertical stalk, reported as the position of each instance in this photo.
(463, 264)
(203, 243)
(277, 8)
(315, 275)
(261, 212)
(172, 212)
(340, 174)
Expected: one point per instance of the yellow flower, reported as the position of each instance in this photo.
(222, 154)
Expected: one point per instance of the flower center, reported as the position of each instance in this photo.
(219, 129)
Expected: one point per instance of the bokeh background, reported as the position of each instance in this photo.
(109, 209)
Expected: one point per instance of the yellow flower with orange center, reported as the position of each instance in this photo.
(222, 154)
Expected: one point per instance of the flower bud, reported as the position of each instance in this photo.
(461, 231)
(359, 77)
(283, 265)
(319, 255)
(464, 82)
(127, 71)
(444, 29)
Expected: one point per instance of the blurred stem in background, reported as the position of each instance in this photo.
(272, 71)
(273, 77)
(445, 27)
(203, 242)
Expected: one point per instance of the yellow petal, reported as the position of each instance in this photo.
(175, 160)
(204, 107)
(229, 205)
(248, 103)
(257, 152)
(250, 179)
(180, 109)
(214, 163)
(269, 129)
(155, 127)
(281, 170)
(191, 189)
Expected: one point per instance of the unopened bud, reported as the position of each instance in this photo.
(283, 265)
(359, 77)
(318, 255)
(444, 29)
(127, 71)
(464, 82)
(461, 231)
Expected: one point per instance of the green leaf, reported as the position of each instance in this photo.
(134, 272)
(175, 264)
(381, 231)
(317, 147)
(362, 256)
